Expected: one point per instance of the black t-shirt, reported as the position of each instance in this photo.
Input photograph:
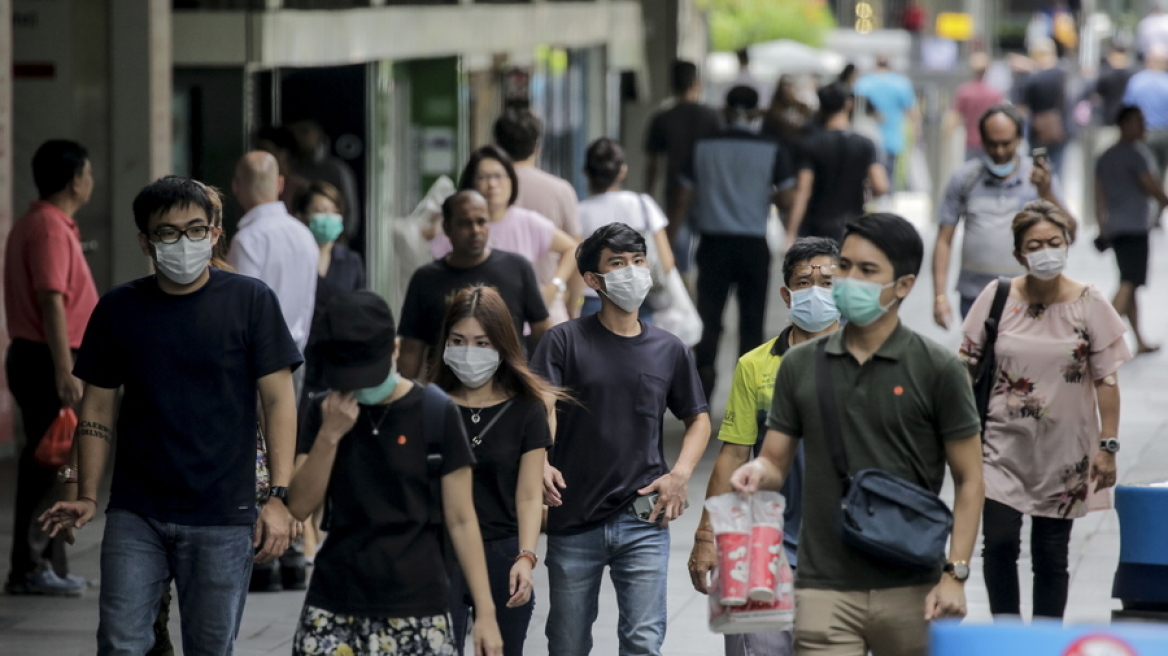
(1110, 86)
(383, 558)
(433, 285)
(840, 161)
(609, 440)
(674, 131)
(521, 428)
(188, 365)
(1045, 90)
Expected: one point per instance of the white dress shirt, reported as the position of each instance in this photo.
(275, 247)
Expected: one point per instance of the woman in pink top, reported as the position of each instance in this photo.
(491, 173)
(1049, 444)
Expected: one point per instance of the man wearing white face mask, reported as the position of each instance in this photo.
(610, 491)
(808, 269)
(190, 346)
(987, 192)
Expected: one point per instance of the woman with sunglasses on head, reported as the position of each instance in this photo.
(504, 408)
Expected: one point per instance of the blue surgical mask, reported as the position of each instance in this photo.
(813, 309)
(1000, 170)
(326, 227)
(378, 393)
(859, 300)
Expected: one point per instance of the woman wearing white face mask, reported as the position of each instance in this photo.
(505, 410)
(1053, 420)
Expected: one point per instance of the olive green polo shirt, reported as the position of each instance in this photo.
(898, 410)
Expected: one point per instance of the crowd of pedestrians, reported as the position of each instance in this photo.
(279, 426)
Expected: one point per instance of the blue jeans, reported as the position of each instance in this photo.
(637, 555)
(513, 622)
(210, 565)
(772, 643)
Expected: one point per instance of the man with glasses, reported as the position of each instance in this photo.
(189, 346)
(808, 268)
(987, 192)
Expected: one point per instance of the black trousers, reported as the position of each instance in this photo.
(725, 263)
(33, 383)
(1050, 540)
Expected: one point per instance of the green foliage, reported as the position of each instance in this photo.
(737, 24)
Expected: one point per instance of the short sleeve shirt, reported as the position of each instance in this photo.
(188, 365)
(1042, 425)
(673, 133)
(840, 161)
(898, 410)
(734, 176)
(609, 440)
(433, 285)
(892, 95)
(383, 558)
(1129, 208)
(43, 254)
(973, 99)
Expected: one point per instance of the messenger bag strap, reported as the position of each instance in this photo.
(829, 411)
(994, 320)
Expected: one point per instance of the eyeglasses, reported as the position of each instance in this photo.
(828, 270)
(170, 234)
(489, 177)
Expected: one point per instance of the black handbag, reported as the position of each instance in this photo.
(881, 514)
(986, 373)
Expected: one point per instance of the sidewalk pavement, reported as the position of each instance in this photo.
(30, 626)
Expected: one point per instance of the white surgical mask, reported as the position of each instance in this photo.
(628, 286)
(813, 308)
(183, 261)
(1048, 263)
(474, 365)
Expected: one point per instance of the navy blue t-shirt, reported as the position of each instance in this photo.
(609, 440)
(188, 364)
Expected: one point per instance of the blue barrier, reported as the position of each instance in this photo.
(1141, 578)
(1046, 638)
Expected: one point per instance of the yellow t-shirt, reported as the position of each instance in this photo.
(751, 391)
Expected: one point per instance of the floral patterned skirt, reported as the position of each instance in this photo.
(323, 633)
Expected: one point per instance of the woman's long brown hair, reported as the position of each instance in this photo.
(513, 377)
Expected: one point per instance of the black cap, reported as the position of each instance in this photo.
(742, 97)
(355, 341)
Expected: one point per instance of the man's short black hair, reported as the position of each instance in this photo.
(685, 76)
(518, 131)
(742, 98)
(616, 237)
(806, 249)
(1126, 111)
(56, 163)
(169, 192)
(894, 236)
(456, 199)
(833, 98)
(1011, 113)
(467, 180)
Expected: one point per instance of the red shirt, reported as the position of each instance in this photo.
(973, 99)
(44, 254)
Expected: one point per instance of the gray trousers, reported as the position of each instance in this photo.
(774, 643)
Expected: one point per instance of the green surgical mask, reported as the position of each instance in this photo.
(377, 394)
(326, 227)
(859, 300)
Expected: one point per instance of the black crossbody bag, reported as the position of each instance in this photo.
(986, 373)
(881, 514)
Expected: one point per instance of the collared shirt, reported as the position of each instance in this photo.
(745, 423)
(734, 176)
(278, 249)
(1148, 90)
(987, 251)
(898, 409)
(43, 254)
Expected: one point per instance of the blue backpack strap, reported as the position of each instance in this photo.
(434, 405)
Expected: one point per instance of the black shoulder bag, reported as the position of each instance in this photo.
(986, 373)
(881, 514)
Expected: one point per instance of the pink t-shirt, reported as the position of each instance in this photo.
(972, 100)
(520, 231)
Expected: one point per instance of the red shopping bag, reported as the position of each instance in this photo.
(53, 451)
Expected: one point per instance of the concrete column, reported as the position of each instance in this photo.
(6, 404)
(140, 118)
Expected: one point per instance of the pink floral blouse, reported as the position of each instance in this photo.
(1042, 431)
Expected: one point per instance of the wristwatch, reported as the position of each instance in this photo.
(279, 492)
(560, 284)
(1110, 445)
(958, 570)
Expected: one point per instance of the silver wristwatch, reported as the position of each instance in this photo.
(1110, 445)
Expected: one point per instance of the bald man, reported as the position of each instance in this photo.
(273, 246)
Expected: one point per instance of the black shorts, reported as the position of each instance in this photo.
(1131, 254)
